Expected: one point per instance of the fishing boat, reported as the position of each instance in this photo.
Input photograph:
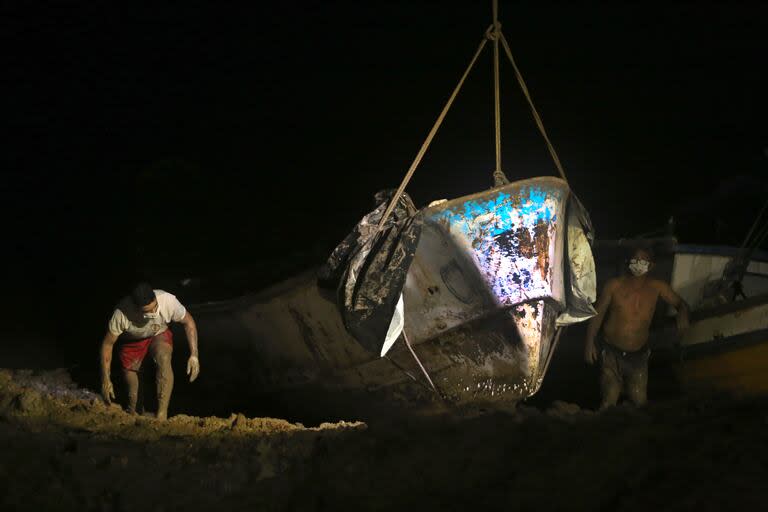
(726, 347)
(464, 308)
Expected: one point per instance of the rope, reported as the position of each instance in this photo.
(424, 371)
(754, 225)
(431, 135)
(536, 116)
(493, 33)
(406, 372)
(552, 348)
(759, 238)
(751, 243)
(496, 27)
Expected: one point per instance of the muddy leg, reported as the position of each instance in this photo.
(610, 380)
(637, 383)
(161, 353)
(132, 384)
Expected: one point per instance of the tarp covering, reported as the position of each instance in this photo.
(580, 267)
(368, 269)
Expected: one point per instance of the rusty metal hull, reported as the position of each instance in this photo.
(482, 298)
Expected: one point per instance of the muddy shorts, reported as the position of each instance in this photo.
(132, 353)
(624, 370)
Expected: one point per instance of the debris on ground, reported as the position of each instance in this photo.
(64, 449)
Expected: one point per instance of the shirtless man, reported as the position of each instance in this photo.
(630, 302)
(140, 321)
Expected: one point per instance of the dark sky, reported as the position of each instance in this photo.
(162, 142)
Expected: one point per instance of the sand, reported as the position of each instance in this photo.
(63, 448)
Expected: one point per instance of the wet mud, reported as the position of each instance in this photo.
(63, 449)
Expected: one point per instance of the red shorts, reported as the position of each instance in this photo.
(133, 353)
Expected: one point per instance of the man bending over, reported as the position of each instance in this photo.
(140, 321)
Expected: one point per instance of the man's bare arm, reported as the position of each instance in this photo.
(107, 344)
(590, 352)
(190, 328)
(673, 299)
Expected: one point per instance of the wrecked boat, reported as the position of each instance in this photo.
(457, 304)
(492, 278)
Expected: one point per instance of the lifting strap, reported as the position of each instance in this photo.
(494, 34)
(536, 116)
(431, 136)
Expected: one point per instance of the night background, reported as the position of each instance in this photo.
(234, 146)
(240, 144)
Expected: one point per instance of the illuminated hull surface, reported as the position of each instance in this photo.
(481, 299)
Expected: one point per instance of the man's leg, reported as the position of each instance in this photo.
(610, 379)
(132, 384)
(637, 381)
(131, 356)
(161, 353)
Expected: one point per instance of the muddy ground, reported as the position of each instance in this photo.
(63, 449)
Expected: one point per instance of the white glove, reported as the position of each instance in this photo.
(193, 368)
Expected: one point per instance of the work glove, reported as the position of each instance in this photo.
(193, 368)
(107, 391)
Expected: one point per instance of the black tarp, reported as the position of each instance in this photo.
(368, 268)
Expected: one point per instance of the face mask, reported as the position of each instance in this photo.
(639, 267)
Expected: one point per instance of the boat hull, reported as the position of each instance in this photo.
(727, 350)
(737, 366)
(482, 298)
